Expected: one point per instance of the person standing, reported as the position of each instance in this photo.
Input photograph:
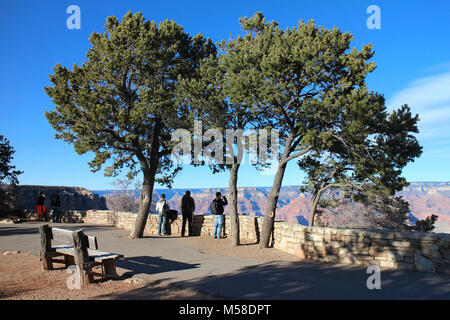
(162, 207)
(187, 210)
(40, 206)
(217, 209)
(56, 205)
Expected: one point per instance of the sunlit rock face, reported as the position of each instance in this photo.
(72, 198)
(425, 199)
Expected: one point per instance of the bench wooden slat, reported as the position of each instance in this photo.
(95, 255)
(92, 242)
(101, 256)
(62, 235)
(66, 236)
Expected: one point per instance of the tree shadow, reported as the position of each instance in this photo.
(167, 236)
(13, 231)
(314, 280)
(155, 291)
(152, 265)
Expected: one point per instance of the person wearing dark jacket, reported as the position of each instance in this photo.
(56, 205)
(187, 210)
(217, 209)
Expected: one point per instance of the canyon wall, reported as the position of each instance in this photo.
(72, 198)
(425, 199)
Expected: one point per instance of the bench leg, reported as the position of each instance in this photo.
(109, 268)
(47, 262)
(69, 260)
(86, 276)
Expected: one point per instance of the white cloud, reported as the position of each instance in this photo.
(430, 98)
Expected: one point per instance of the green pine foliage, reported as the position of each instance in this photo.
(121, 105)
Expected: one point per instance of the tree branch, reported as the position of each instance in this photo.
(296, 155)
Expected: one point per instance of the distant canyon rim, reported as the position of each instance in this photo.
(425, 199)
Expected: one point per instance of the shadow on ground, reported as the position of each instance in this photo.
(311, 280)
(157, 291)
(152, 265)
(12, 231)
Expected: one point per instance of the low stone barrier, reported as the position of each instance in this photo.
(425, 252)
(201, 224)
(418, 251)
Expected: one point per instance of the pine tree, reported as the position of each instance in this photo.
(121, 104)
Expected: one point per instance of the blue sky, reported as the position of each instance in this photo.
(412, 54)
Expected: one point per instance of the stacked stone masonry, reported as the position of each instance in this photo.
(425, 252)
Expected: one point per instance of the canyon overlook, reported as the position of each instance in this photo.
(425, 199)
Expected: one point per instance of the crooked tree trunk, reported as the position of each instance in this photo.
(313, 210)
(149, 169)
(269, 217)
(145, 201)
(234, 216)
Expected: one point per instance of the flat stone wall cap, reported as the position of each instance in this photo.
(318, 230)
(299, 227)
(349, 232)
(363, 233)
(423, 264)
(422, 236)
(445, 237)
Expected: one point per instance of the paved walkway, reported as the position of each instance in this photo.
(182, 263)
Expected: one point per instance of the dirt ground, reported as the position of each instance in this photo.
(21, 278)
(247, 249)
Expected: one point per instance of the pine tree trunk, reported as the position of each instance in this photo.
(312, 211)
(149, 169)
(145, 201)
(269, 217)
(234, 216)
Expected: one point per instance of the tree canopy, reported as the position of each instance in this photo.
(8, 172)
(142, 81)
(121, 104)
(225, 99)
(310, 76)
(365, 155)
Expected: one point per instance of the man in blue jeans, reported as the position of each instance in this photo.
(217, 210)
(162, 207)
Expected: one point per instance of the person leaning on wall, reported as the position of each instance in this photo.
(217, 209)
(187, 210)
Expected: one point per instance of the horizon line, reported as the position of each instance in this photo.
(192, 188)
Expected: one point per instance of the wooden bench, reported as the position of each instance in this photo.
(77, 249)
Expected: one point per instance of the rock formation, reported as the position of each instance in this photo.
(72, 198)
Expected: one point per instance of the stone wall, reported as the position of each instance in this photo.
(426, 252)
(202, 224)
(418, 251)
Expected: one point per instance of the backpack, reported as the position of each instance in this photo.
(165, 209)
(172, 215)
(214, 207)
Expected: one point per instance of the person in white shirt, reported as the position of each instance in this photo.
(162, 207)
